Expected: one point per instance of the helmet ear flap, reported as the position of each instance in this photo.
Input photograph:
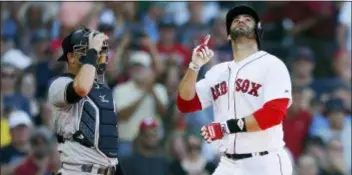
(259, 33)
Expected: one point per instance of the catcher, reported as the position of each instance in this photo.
(83, 108)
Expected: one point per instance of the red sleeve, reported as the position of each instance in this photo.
(188, 106)
(272, 113)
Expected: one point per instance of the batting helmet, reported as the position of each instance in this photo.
(239, 10)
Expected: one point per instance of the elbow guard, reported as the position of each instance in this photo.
(272, 113)
(71, 95)
(188, 106)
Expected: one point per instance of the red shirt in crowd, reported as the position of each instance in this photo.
(299, 11)
(28, 167)
(182, 54)
(296, 128)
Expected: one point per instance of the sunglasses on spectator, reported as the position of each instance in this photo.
(7, 75)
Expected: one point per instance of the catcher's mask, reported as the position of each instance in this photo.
(77, 43)
(239, 10)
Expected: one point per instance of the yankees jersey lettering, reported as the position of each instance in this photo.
(237, 90)
(69, 118)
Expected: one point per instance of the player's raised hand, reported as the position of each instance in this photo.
(201, 54)
(96, 40)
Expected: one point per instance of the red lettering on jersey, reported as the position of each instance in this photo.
(254, 89)
(215, 93)
(244, 85)
(238, 84)
(218, 90)
(223, 87)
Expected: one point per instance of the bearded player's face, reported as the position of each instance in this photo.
(242, 26)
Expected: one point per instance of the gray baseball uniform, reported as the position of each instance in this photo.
(87, 128)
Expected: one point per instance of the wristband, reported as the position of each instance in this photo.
(91, 57)
(194, 67)
(236, 125)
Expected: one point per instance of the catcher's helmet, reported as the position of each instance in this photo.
(77, 43)
(239, 10)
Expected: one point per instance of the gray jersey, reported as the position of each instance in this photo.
(66, 122)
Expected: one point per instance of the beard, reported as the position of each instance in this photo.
(242, 32)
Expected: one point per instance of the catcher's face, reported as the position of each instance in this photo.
(242, 25)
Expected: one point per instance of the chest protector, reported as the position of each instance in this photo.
(98, 122)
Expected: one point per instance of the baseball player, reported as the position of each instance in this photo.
(249, 95)
(83, 108)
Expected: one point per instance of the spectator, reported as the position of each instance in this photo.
(313, 20)
(303, 64)
(146, 154)
(307, 166)
(12, 99)
(4, 127)
(336, 163)
(315, 147)
(43, 158)
(177, 150)
(138, 97)
(151, 19)
(9, 25)
(174, 122)
(193, 163)
(16, 58)
(179, 13)
(169, 49)
(28, 90)
(343, 93)
(194, 29)
(6, 44)
(222, 48)
(296, 124)
(339, 127)
(11, 156)
(343, 32)
(342, 67)
(31, 17)
(40, 44)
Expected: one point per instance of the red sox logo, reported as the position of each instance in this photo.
(244, 86)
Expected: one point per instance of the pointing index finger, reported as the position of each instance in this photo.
(205, 40)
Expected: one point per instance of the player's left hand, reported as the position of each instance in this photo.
(212, 132)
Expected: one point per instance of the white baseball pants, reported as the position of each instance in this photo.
(274, 163)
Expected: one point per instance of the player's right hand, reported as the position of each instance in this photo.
(201, 54)
(211, 132)
(96, 40)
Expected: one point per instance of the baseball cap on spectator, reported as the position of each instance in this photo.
(304, 53)
(141, 58)
(16, 58)
(148, 123)
(17, 118)
(334, 105)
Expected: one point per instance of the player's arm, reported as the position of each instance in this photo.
(277, 97)
(84, 80)
(188, 100)
(125, 113)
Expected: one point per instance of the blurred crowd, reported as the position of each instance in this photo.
(150, 49)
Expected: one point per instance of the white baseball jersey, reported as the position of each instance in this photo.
(237, 90)
(66, 120)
